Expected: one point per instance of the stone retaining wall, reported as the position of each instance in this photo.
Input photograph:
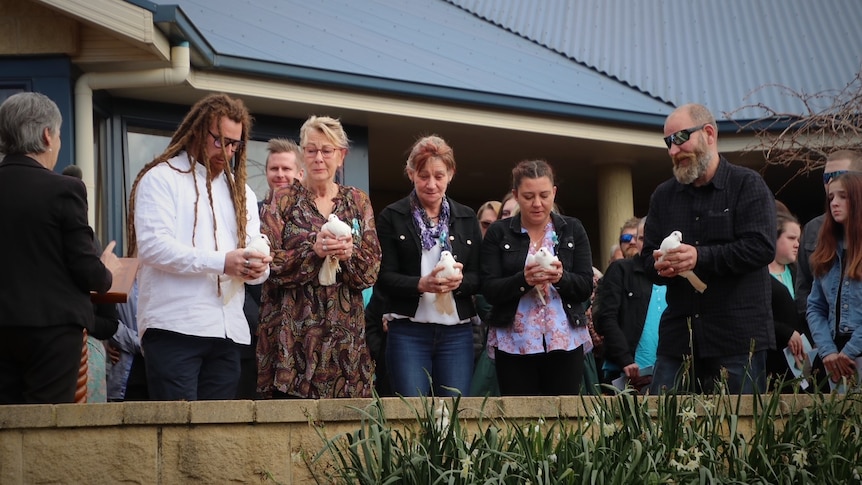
(209, 442)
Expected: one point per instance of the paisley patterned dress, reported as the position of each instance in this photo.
(311, 341)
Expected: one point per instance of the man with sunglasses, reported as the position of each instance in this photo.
(726, 215)
(191, 216)
(837, 163)
(628, 237)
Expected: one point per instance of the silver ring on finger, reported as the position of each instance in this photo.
(247, 263)
(324, 247)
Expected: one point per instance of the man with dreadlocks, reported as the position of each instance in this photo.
(191, 215)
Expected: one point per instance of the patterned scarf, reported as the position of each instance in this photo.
(428, 232)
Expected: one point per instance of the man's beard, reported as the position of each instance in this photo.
(696, 168)
(631, 252)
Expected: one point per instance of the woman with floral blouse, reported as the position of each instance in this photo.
(538, 329)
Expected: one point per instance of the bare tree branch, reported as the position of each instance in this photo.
(830, 120)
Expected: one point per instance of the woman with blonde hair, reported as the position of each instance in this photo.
(311, 341)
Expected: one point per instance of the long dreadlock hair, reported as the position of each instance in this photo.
(192, 136)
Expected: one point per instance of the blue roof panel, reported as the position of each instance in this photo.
(413, 41)
(715, 53)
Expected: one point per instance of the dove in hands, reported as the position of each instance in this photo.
(444, 302)
(257, 248)
(259, 243)
(330, 266)
(673, 241)
(545, 260)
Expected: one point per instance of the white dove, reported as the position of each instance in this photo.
(231, 285)
(672, 242)
(330, 266)
(445, 302)
(545, 259)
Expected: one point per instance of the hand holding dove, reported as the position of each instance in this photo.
(674, 257)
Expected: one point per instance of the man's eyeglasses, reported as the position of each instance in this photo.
(681, 136)
(327, 152)
(830, 176)
(626, 238)
(230, 142)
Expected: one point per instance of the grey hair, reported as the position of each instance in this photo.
(23, 119)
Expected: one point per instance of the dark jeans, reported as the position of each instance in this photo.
(555, 373)
(744, 375)
(39, 365)
(188, 368)
(416, 350)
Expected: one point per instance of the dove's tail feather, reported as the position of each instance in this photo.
(541, 295)
(326, 276)
(444, 303)
(230, 286)
(696, 282)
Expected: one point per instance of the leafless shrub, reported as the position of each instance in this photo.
(827, 121)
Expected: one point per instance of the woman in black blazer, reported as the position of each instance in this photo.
(429, 314)
(52, 265)
(538, 328)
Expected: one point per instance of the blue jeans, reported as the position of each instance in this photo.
(744, 375)
(188, 368)
(415, 351)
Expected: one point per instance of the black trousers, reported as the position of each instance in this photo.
(555, 373)
(39, 365)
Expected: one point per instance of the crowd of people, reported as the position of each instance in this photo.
(428, 296)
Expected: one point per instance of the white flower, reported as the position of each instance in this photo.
(688, 414)
(466, 463)
(441, 418)
(708, 406)
(608, 429)
(536, 429)
(676, 464)
(541, 421)
(552, 457)
(800, 458)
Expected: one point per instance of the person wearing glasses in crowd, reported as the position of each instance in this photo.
(835, 303)
(311, 336)
(837, 163)
(429, 338)
(628, 309)
(487, 214)
(726, 214)
(628, 237)
(191, 215)
(538, 330)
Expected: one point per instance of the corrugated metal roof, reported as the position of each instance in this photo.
(713, 52)
(419, 42)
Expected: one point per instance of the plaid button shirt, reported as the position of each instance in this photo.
(731, 222)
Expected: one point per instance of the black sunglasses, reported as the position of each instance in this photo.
(681, 136)
(230, 142)
(830, 176)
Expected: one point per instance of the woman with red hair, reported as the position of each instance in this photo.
(835, 302)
